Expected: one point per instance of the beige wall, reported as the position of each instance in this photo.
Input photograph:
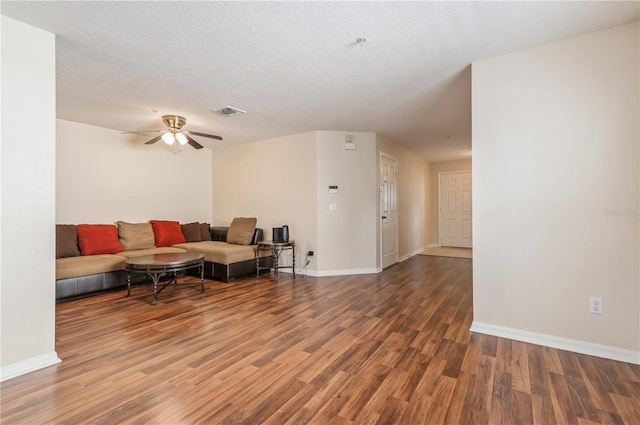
(27, 224)
(285, 181)
(414, 191)
(434, 214)
(103, 176)
(273, 180)
(347, 242)
(560, 224)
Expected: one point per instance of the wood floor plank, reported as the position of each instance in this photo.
(542, 410)
(460, 399)
(502, 399)
(389, 348)
(538, 379)
(522, 408)
(440, 400)
(628, 408)
(563, 407)
(520, 367)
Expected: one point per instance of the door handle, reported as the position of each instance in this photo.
(384, 216)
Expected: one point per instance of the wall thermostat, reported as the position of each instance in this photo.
(349, 146)
(333, 189)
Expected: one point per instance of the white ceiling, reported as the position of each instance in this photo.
(295, 66)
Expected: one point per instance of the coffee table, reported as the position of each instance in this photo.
(158, 266)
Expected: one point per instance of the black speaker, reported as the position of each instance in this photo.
(277, 234)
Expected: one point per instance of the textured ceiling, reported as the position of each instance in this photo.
(295, 66)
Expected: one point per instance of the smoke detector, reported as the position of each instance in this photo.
(229, 111)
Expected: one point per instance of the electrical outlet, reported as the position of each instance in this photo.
(310, 254)
(595, 305)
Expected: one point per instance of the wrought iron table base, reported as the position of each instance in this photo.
(157, 288)
(276, 249)
(158, 271)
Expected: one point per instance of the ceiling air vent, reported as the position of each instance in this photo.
(229, 111)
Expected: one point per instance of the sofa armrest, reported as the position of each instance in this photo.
(257, 236)
(219, 233)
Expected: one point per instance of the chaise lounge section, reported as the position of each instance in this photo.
(222, 260)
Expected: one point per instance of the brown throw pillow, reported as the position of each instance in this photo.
(66, 241)
(191, 232)
(205, 232)
(241, 230)
(135, 235)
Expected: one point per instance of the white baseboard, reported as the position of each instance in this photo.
(411, 254)
(314, 273)
(433, 245)
(30, 365)
(345, 272)
(582, 347)
(299, 272)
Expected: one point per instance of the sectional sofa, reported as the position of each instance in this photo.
(91, 257)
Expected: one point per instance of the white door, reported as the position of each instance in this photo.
(388, 204)
(455, 209)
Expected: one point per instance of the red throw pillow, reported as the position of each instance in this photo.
(167, 233)
(98, 239)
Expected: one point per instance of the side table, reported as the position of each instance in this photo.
(276, 249)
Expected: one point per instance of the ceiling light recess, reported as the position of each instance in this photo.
(229, 111)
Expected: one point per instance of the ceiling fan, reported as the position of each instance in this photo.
(175, 133)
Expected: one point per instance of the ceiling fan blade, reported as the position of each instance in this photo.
(142, 131)
(193, 142)
(195, 133)
(152, 141)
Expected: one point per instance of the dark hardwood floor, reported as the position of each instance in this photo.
(391, 348)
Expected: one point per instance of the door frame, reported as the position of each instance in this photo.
(439, 201)
(380, 200)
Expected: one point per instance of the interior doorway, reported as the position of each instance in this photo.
(455, 209)
(388, 210)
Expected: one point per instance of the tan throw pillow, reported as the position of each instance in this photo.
(135, 235)
(241, 230)
(191, 232)
(66, 241)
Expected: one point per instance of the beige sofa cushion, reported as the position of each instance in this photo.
(150, 251)
(88, 264)
(221, 252)
(241, 230)
(135, 235)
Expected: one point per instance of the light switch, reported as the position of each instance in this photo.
(332, 207)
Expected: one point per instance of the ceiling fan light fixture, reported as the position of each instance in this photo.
(174, 132)
(168, 138)
(174, 121)
(181, 138)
